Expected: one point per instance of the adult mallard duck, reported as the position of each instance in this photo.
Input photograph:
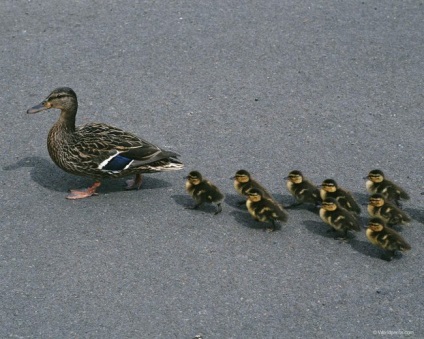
(98, 150)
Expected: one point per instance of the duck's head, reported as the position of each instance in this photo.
(295, 177)
(329, 185)
(62, 98)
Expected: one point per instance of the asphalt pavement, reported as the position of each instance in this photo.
(331, 88)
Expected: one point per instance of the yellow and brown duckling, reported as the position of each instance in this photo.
(386, 238)
(202, 190)
(377, 183)
(264, 209)
(330, 189)
(98, 150)
(391, 214)
(243, 183)
(338, 218)
(302, 190)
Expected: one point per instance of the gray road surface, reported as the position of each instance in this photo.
(333, 88)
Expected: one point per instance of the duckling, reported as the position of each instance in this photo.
(202, 190)
(386, 238)
(377, 183)
(330, 189)
(302, 190)
(338, 218)
(391, 215)
(243, 183)
(264, 209)
(98, 150)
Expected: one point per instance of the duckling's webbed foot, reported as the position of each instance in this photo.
(76, 194)
(218, 209)
(134, 183)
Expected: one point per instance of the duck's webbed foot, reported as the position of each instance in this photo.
(134, 183)
(81, 194)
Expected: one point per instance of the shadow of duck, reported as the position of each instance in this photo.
(48, 175)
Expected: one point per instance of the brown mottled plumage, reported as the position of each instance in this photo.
(98, 150)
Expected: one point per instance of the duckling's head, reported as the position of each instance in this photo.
(254, 194)
(329, 204)
(376, 224)
(194, 177)
(242, 176)
(295, 177)
(63, 98)
(376, 200)
(375, 176)
(329, 185)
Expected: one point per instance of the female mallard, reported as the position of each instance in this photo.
(99, 150)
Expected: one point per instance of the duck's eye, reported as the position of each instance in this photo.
(59, 96)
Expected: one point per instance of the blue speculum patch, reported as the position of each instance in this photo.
(117, 163)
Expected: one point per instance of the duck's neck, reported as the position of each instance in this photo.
(66, 120)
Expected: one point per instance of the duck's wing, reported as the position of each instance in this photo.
(113, 149)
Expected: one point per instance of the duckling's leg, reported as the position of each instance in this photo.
(273, 228)
(134, 183)
(218, 209)
(341, 237)
(75, 194)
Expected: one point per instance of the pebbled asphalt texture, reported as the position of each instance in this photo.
(332, 88)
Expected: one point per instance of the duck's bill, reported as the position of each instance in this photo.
(37, 108)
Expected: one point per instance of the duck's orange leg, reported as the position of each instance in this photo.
(134, 183)
(88, 192)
